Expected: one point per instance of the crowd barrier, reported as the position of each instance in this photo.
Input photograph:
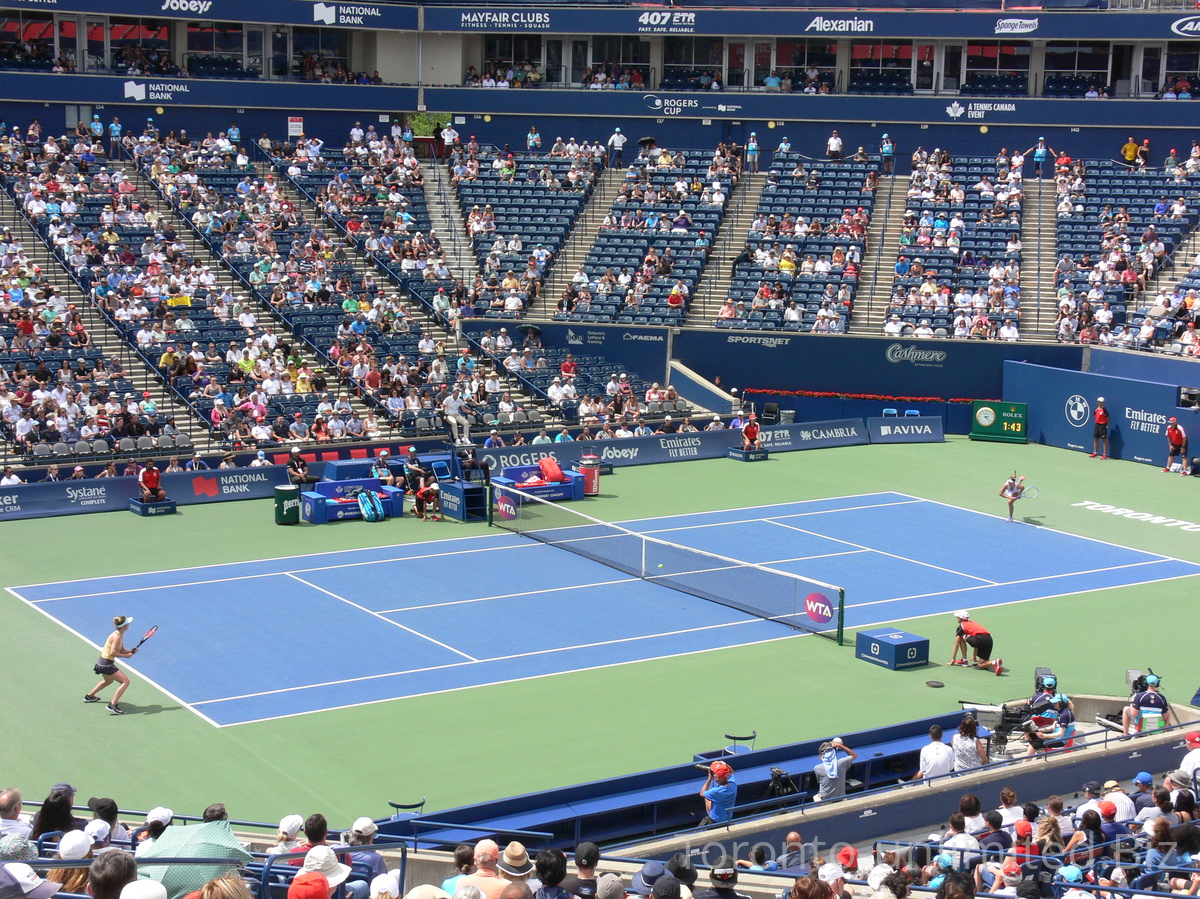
(187, 488)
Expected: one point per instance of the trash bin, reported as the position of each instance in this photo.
(589, 467)
(287, 504)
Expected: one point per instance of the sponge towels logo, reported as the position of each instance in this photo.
(1078, 410)
(324, 13)
(1016, 26)
(135, 91)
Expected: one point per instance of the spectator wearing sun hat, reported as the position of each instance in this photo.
(642, 883)
(516, 866)
(323, 860)
(14, 848)
(1114, 793)
(831, 873)
(100, 832)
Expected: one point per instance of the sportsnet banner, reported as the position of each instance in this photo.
(187, 488)
(911, 429)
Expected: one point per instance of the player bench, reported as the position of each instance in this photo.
(337, 500)
(515, 476)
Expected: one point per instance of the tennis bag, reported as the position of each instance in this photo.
(370, 506)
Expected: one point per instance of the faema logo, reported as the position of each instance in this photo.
(669, 105)
(1078, 410)
(822, 25)
(898, 352)
(818, 607)
(769, 342)
(199, 7)
(1188, 27)
(1016, 26)
(657, 338)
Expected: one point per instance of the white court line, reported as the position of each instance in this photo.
(250, 577)
(1028, 580)
(381, 618)
(1135, 549)
(774, 518)
(461, 602)
(799, 502)
(329, 552)
(125, 663)
(883, 553)
(511, 680)
(508, 658)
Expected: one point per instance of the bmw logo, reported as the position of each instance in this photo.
(1078, 411)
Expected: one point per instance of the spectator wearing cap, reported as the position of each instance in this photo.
(1143, 788)
(1059, 732)
(722, 878)
(939, 869)
(298, 469)
(583, 882)
(55, 813)
(196, 463)
(487, 873)
(310, 885)
(1073, 876)
(11, 820)
(609, 886)
(1024, 847)
(834, 759)
(158, 819)
(1112, 829)
(681, 868)
(494, 440)
(361, 835)
(1113, 792)
(1190, 762)
(19, 880)
(110, 873)
(100, 833)
(834, 876)
(286, 838)
(719, 793)
(73, 846)
(1145, 704)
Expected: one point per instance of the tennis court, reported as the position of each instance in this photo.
(259, 640)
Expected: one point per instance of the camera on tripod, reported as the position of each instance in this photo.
(1137, 680)
(1021, 717)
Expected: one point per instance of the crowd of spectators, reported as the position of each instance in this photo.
(986, 303)
(505, 75)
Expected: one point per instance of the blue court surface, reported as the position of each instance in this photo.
(252, 641)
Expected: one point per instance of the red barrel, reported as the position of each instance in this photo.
(589, 467)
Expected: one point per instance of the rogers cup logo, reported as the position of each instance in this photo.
(818, 607)
(669, 105)
(1078, 411)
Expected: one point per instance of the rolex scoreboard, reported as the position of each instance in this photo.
(1003, 422)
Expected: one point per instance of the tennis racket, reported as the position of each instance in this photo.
(1029, 492)
(150, 633)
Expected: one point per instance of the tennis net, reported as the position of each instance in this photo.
(799, 602)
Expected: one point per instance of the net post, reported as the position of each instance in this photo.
(491, 501)
(841, 618)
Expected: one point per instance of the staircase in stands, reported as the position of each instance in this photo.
(727, 246)
(199, 249)
(446, 215)
(879, 262)
(103, 334)
(583, 235)
(1039, 256)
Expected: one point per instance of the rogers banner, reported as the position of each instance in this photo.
(112, 494)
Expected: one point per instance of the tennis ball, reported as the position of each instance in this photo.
(660, 564)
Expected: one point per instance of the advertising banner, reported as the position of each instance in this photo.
(910, 429)
(1062, 407)
(284, 12)
(677, 447)
(110, 494)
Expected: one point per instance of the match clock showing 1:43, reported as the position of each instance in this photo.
(1002, 422)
